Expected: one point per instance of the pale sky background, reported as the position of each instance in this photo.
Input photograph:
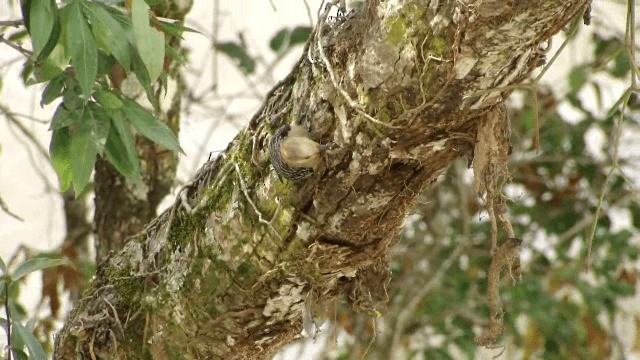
(28, 184)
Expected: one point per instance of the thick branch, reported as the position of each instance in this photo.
(231, 270)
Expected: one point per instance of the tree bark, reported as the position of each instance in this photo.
(233, 268)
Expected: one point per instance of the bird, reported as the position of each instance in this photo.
(293, 154)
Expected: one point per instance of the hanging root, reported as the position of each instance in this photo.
(491, 172)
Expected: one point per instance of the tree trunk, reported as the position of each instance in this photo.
(233, 268)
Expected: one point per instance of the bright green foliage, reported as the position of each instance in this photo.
(239, 54)
(60, 150)
(147, 125)
(96, 38)
(150, 42)
(82, 47)
(120, 148)
(43, 22)
(282, 41)
(287, 38)
(109, 33)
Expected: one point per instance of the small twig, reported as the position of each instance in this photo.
(21, 50)
(5, 208)
(308, 8)
(570, 35)
(536, 123)
(603, 190)
(630, 40)
(373, 339)
(6, 309)
(11, 22)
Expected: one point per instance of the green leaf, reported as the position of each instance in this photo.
(108, 99)
(52, 91)
(20, 355)
(100, 125)
(120, 14)
(25, 6)
(83, 152)
(143, 77)
(33, 345)
(149, 126)
(174, 29)
(17, 342)
(84, 53)
(110, 35)
(31, 324)
(60, 150)
(285, 38)
(577, 78)
(299, 35)
(120, 125)
(149, 41)
(278, 40)
(42, 16)
(71, 97)
(621, 65)
(621, 100)
(55, 34)
(18, 36)
(17, 310)
(64, 117)
(36, 264)
(176, 56)
(238, 54)
(46, 70)
(120, 148)
(3, 266)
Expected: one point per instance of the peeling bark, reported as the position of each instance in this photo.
(231, 270)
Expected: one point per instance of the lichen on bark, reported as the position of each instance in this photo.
(233, 267)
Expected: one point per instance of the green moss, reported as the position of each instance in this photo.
(136, 354)
(364, 97)
(282, 189)
(242, 157)
(284, 217)
(396, 30)
(438, 46)
(295, 250)
(246, 274)
(267, 249)
(408, 23)
(383, 115)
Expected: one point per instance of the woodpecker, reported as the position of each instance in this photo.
(293, 154)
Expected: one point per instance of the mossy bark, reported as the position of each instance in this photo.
(233, 268)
